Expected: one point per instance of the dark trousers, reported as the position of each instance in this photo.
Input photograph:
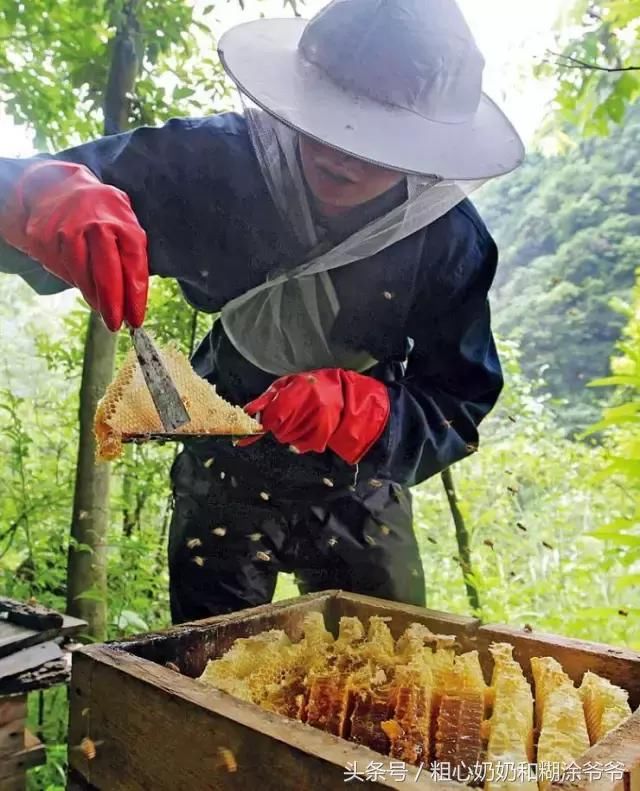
(229, 538)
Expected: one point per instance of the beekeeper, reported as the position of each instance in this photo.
(328, 226)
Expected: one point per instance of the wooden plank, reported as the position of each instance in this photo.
(620, 665)
(33, 616)
(42, 677)
(137, 711)
(191, 645)
(13, 715)
(33, 753)
(76, 782)
(29, 658)
(15, 783)
(14, 637)
(11, 707)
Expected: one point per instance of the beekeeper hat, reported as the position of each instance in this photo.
(394, 82)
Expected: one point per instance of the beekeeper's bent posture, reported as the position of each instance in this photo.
(329, 227)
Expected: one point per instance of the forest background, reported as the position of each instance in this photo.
(545, 528)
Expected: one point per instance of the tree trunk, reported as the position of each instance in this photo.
(87, 559)
(87, 566)
(462, 537)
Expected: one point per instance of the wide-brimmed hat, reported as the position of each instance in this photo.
(394, 82)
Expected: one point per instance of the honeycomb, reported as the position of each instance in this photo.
(560, 715)
(605, 705)
(511, 736)
(127, 408)
(461, 713)
(417, 701)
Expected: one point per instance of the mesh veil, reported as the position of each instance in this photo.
(283, 326)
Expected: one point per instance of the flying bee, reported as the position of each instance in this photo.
(228, 759)
(88, 748)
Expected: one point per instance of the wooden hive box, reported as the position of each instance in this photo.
(153, 729)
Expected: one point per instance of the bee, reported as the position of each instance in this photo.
(88, 748)
(528, 628)
(228, 759)
(624, 613)
(520, 526)
(547, 545)
(489, 543)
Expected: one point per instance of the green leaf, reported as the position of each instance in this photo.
(627, 581)
(182, 92)
(627, 85)
(615, 538)
(629, 380)
(615, 107)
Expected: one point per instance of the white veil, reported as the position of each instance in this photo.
(283, 326)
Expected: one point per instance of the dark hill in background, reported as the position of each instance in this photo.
(568, 228)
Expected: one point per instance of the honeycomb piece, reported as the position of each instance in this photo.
(409, 729)
(379, 647)
(330, 703)
(459, 733)
(371, 707)
(563, 736)
(345, 651)
(412, 640)
(350, 632)
(269, 670)
(286, 691)
(441, 663)
(235, 671)
(458, 737)
(441, 666)
(127, 407)
(605, 705)
(548, 676)
(315, 634)
(464, 675)
(510, 741)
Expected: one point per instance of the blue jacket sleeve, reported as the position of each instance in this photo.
(178, 178)
(453, 375)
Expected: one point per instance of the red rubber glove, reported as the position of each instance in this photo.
(84, 232)
(343, 411)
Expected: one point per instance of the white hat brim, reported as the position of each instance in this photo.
(263, 60)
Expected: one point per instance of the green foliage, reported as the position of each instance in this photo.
(532, 506)
(621, 426)
(597, 69)
(38, 438)
(55, 56)
(568, 229)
